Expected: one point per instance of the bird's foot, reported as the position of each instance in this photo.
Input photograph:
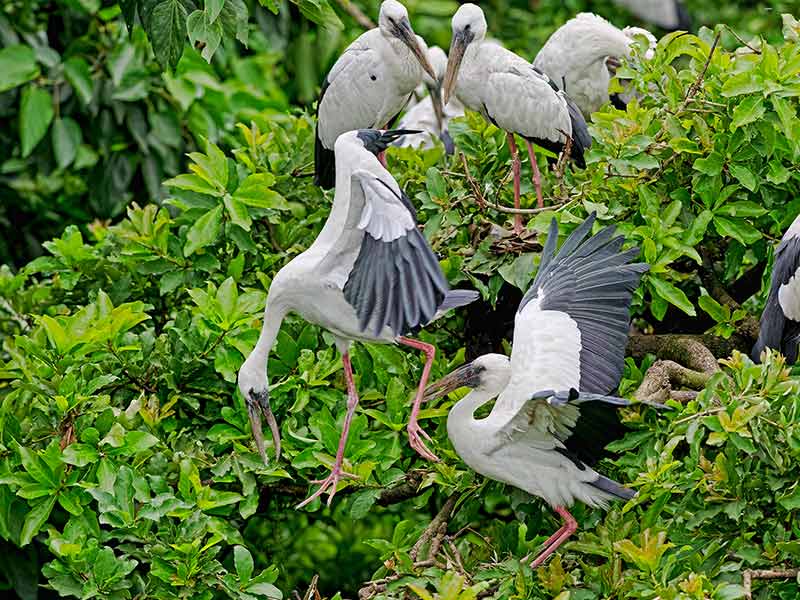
(415, 435)
(328, 484)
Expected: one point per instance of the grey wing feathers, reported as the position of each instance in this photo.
(396, 283)
(581, 139)
(456, 298)
(593, 282)
(773, 321)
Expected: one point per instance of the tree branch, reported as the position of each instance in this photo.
(749, 575)
(749, 326)
(355, 12)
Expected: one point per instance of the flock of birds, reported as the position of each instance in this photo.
(371, 276)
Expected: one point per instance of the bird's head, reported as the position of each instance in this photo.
(254, 389)
(469, 26)
(394, 24)
(489, 374)
(373, 140)
(638, 33)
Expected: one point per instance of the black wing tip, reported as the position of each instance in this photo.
(581, 138)
(324, 164)
(610, 486)
(618, 103)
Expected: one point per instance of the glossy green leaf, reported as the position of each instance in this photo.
(35, 116)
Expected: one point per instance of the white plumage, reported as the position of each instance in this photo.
(369, 276)
(569, 334)
(581, 54)
(369, 84)
(667, 14)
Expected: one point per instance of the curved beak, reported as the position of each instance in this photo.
(435, 92)
(464, 376)
(258, 404)
(406, 35)
(454, 57)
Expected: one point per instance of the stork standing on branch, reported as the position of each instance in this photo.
(780, 321)
(513, 95)
(368, 85)
(370, 276)
(585, 54)
(552, 418)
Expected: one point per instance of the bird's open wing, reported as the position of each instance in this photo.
(571, 327)
(396, 279)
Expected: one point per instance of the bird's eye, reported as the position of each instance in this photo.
(468, 26)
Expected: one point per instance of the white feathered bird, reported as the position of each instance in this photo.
(512, 94)
(552, 418)
(370, 276)
(582, 56)
(368, 85)
(780, 321)
(667, 14)
(427, 115)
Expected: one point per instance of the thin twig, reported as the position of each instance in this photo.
(522, 211)
(355, 12)
(441, 518)
(474, 184)
(741, 41)
(699, 81)
(749, 575)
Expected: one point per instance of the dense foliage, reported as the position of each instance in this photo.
(126, 463)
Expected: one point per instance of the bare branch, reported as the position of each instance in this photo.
(355, 12)
(751, 574)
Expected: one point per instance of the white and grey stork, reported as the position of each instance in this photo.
(370, 276)
(428, 115)
(584, 54)
(513, 95)
(552, 417)
(667, 14)
(368, 85)
(780, 321)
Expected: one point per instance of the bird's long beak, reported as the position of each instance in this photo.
(461, 377)
(435, 92)
(454, 57)
(406, 35)
(258, 404)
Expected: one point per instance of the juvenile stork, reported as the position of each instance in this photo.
(667, 14)
(370, 276)
(552, 418)
(780, 321)
(584, 54)
(512, 94)
(428, 115)
(368, 85)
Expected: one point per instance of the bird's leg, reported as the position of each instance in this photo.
(515, 166)
(329, 483)
(537, 178)
(415, 432)
(560, 536)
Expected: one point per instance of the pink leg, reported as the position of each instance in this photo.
(329, 483)
(415, 432)
(382, 159)
(551, 545)
(515, 166)
(537, 179)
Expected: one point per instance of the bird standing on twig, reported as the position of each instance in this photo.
(552, 418)
(368, 85)
(370, 276)
(513, 95)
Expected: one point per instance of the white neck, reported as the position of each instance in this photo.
(253, 373)
(462, 425)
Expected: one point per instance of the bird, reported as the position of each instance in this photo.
(584, 54)
(552, 416)
(780, 321)
(368, 85)
(512, 94)
(428, 114)
(667, 14)
(370, 276)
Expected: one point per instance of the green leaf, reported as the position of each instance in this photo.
(79, 76)
(742, 83)
(35, 115)
(165, 23)
(744, 176)
(742, 208)
(265, 589)
(320, 12)
(254, 192)
(713, 308)
(34, 520)
(80, 455)
(738, 229)
(672, 294)
(710, 165)
(205, 231)
(213, 8)
(66, 137)
(747, 111)
(237, 212)
(243, 562)
(17, 66)
(138, 441)
(193, 183)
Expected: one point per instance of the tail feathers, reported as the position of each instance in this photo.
(456, 298)
(612, 487)
(581, 139)
(324, 165)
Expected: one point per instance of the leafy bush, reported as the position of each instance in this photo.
(126, 463)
